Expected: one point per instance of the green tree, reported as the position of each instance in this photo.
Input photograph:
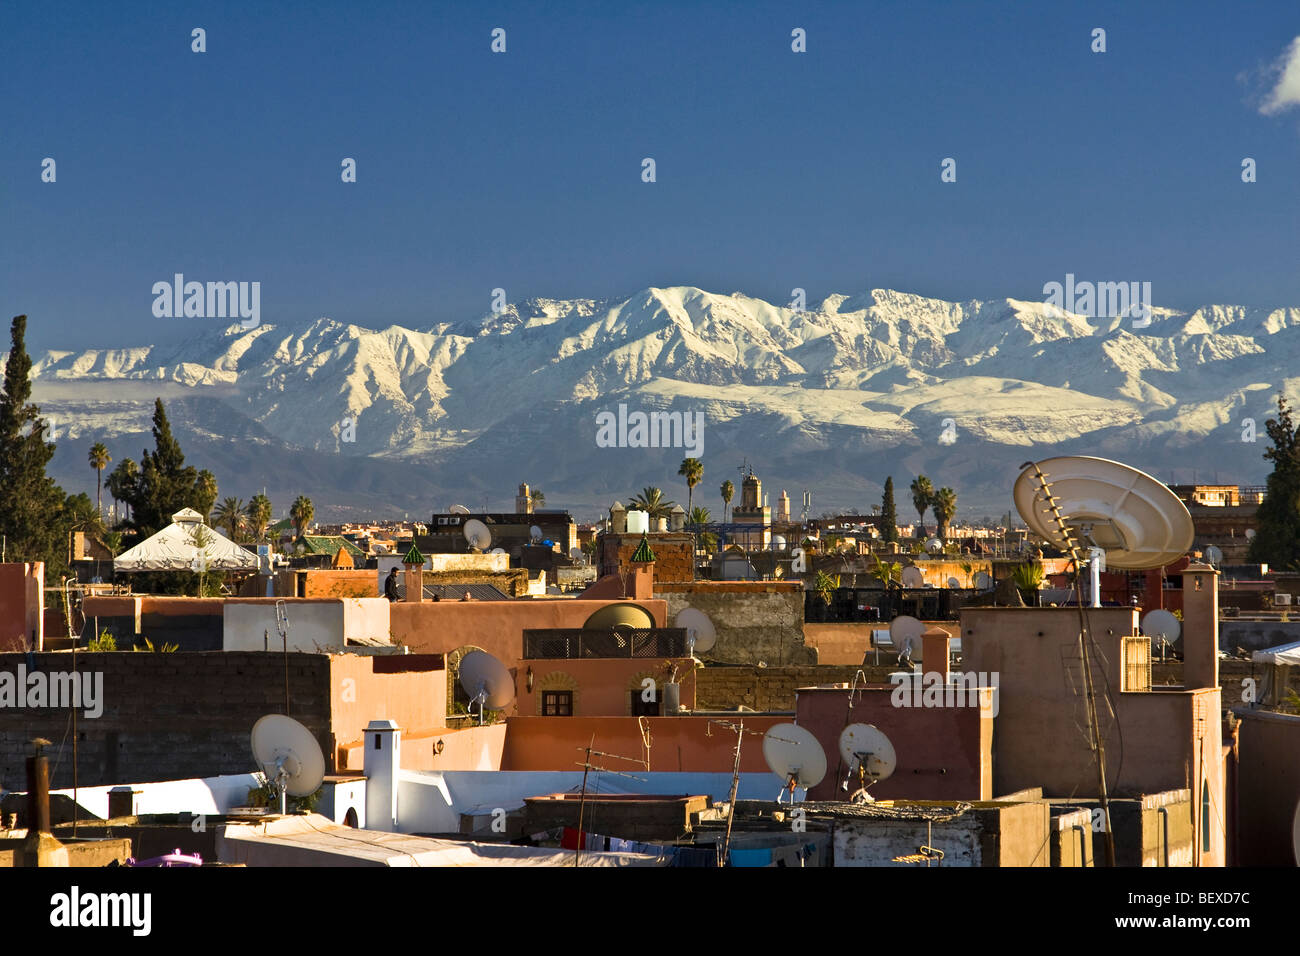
(944, 506)
(728, 491)
(122, 479)
(230, 515)
(33, 508)
(99, 459)
(700, 517)
(651, 500)
(692, 469)
(537, 497)
(888, 513)
(301, 514)
(1277, 540)
(259, 515)
(922, 491)
(164, 483)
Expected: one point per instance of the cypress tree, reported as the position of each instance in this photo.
(888, 513)
(31, 504)
(1277, 541)
(165, 483)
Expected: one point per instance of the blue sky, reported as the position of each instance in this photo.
(522, 170)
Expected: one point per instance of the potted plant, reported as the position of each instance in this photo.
(1028, 578)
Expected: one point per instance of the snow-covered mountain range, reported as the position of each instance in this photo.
(832, 399)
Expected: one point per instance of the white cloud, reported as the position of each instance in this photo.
(1286, 93)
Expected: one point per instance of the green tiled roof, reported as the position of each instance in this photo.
(329, 544)
(643, 554)
(413, 556)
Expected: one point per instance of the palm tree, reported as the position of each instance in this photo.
(259, 514)
(651, 500)
(206, 487)
(944, 506)
(301, 514)
(922, 493)
(692, 469)
(537, 497)
(122, 479)
(99, 459)
(700, 516)
(231, 515)
(728, 491)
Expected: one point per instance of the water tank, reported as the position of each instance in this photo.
(638, 522)
(672, 699)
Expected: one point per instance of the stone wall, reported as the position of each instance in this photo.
(768, 688)
(755, 621)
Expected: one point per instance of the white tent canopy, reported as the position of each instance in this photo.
(1285, 654)
(177, 548)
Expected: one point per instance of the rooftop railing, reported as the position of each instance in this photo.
(566, 643)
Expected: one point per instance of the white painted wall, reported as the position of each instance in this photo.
(322, 625)
(207, 795)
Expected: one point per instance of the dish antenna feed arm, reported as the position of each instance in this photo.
(1095, 555)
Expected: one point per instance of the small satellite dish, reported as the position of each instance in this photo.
(934, 545)
(458, 510)
(535, 533)
(953, 583)
(905, 634)
(289, 755)
(1250, 533)
(1161, 625)
(913, 577)
(866, 749)
(1131, 516)
(700, 632)
(497, 551)
(983, 581)
(794, 755)
(1213, 555)
(1295, 834)
(487, 682)
(477, 534)
(778, 542)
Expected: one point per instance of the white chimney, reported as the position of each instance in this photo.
(382, 765)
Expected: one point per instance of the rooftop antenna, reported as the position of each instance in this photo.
(739, 730)
(282, 626)
(905, 634)
(290, 757)
(794, 755)
(487, 682)
(1127, 518)
(587, 766)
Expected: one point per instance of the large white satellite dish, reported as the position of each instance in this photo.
(1295, 834)
(1161, 624)
(477, 534)
(934, 545)
(487, 682)
(535, 533)
(794, 755)
(289, 755)
(1135, 519)
(458, 510)
(905, 634)
(982, 580)
(1213, 556)
(700, 632)
(913, 577)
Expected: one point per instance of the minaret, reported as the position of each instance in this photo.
(783, 508)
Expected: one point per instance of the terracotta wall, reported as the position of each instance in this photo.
(1268, 786)
(601, 686)
(409, 689)
(364, 583)
(22, 587)
(677, 744)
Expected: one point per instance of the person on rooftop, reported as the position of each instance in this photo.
(390, 584)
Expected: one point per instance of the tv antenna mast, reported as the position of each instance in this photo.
(282, 627)
(587, 766)
(739, 730)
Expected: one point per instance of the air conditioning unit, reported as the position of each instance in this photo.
(1283, 600)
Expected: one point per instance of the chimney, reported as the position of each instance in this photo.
(677, 518)
(640, 579)
(617, 518)
(1200, 626)
(934, 653)
(382, 767)
(414, 575)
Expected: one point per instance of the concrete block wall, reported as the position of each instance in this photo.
(762, 622)
(762, 688)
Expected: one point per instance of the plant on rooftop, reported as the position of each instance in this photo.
(651, 500)
(105, 642)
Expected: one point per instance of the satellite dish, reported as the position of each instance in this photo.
(700, 632)
(1250, 533)
(905, 633)
(983, 581)
(866, 749)
(497, 551)
(458, 510)
(954, 583)
(1161, 625)
(477, 534)
(1213, 555)
(1295, 834)
(289, 755)
(913, 577)
(535, 533)
(778, 542)
(934, 545)
(794, 755)
(1131, 516)
(487, 682)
